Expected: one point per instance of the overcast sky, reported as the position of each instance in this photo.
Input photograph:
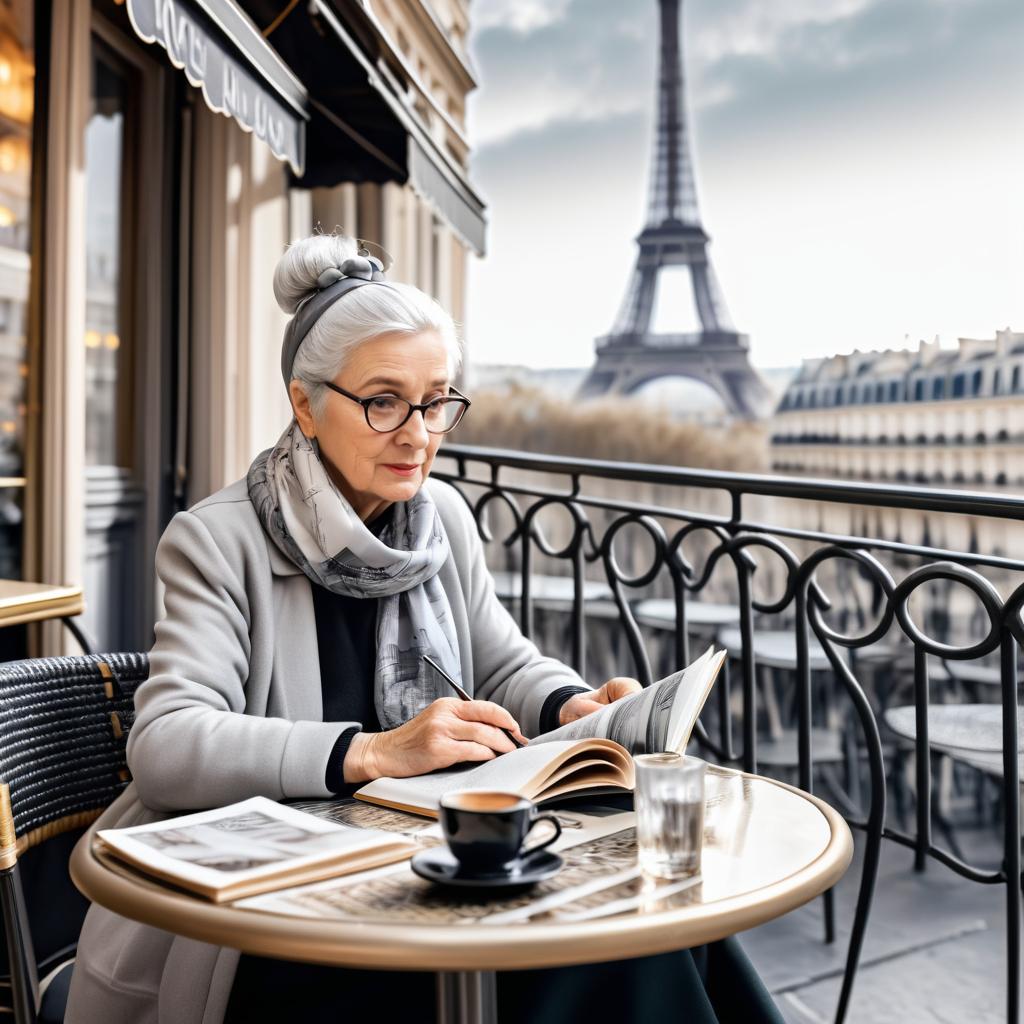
(859, 168)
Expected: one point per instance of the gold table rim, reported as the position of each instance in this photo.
(46, 601)
(456, 947)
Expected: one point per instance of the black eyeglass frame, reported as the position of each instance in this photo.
(458, 397)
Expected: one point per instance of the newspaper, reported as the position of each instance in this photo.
(250, 846)
(598, 845)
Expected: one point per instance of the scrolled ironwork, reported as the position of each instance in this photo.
(973, 581)
(822, 573)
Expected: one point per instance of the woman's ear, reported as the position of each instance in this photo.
(302, 409)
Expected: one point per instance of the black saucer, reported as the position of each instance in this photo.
(440, 866)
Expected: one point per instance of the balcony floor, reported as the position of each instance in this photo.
(934, 950)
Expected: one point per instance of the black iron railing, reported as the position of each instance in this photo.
(580, 513)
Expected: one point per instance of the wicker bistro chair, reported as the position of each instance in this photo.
(63, 727)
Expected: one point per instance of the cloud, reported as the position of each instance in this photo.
(522, 16)
(597, 58)
(595, 61)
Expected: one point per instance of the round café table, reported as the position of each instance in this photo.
(768, 848)
(660, 613)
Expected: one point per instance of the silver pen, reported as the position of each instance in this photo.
(462, 693)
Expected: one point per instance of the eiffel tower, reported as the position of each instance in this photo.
(631, 355)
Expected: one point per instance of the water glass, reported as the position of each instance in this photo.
(669, 814)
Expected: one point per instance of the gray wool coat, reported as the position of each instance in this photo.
(232, 709)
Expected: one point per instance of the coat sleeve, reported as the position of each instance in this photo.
(507, 667)
(192, 746)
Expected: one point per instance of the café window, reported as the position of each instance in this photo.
(109, 179)
(17, 82)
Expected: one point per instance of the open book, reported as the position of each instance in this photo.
(250, 847)
(590, 755)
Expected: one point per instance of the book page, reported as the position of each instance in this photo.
(658, 718)
(518, 771)
(689, 700)
(228, 847)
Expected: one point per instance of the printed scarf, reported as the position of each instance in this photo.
(316, 528)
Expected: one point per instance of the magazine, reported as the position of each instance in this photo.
(590, 755)
(251, 847)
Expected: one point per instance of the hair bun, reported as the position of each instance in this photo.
(304, 261)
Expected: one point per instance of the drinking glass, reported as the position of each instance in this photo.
(669, 814)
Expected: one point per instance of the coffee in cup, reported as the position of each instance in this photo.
(486, 829)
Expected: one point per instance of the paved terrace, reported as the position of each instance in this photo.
(935, 949)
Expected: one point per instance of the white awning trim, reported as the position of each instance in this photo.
(202, 38)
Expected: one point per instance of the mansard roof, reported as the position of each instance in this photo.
(844, 378)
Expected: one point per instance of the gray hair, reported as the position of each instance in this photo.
(361, 315)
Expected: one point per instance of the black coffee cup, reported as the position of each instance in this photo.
(486, 829)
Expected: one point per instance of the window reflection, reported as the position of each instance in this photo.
(107, 371)
(17, 77)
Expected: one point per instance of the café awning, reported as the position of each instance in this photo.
(238, 72)
(364, 127)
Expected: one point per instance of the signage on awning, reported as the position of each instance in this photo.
(239, 75)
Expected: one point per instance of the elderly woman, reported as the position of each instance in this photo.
(299, 602)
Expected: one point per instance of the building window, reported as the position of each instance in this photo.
(17, 101)
(919, 391)
(939, 387)
(894, 391)
(976, 383)
(1015, 386)
(959, 385)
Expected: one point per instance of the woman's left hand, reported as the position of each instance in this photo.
(581, 704)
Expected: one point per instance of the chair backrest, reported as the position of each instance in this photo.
(63, 727)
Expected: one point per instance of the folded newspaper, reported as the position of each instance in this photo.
(590, 755)
(250, 847)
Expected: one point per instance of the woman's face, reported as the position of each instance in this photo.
(372, 469)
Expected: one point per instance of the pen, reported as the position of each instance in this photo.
(461, 692)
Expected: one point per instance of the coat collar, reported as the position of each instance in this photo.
(280, 565)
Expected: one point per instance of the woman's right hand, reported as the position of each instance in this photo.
(447, 732)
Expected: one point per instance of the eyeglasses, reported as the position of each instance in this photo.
(385, 413)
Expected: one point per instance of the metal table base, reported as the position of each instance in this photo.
(466, 997)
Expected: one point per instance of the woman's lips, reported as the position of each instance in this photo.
(402, 470)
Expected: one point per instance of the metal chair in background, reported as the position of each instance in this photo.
(64, 723)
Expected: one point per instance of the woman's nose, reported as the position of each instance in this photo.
(414, 431)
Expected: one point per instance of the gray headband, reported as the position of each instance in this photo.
(331, 285)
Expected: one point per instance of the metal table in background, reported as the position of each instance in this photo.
(21, 601)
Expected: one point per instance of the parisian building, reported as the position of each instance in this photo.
(156, 156)
(931, 417)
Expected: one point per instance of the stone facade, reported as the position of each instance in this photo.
(932, 416)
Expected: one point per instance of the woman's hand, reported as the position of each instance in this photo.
(448, 732)
(581, 704)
